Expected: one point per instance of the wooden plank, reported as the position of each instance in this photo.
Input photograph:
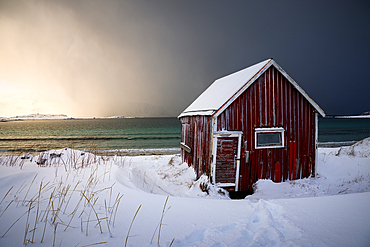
(294, 160)
(277, 173)
(185, 147)
(269, 161)
(298, 134)
(305, 134)
(286, 124)
(248, 137)
(265, 108)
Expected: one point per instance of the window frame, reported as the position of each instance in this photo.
(269, 130)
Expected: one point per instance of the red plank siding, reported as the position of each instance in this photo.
(196, 133)
(273, 102)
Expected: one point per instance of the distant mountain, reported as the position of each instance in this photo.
(42, 116)
(35, 116)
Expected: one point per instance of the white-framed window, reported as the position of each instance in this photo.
(269, 137)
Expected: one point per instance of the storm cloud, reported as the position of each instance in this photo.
(153, 58)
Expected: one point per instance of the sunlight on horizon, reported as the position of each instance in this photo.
(55, 62)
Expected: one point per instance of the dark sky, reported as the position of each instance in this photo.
(153, 58)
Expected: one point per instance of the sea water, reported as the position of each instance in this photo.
(97, 134)
(342, 131)
(137, 133)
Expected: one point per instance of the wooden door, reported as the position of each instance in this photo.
(226, 161)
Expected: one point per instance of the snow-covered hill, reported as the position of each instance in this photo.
(72, 198)
(36, 116)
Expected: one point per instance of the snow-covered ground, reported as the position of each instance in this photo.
(71, 198)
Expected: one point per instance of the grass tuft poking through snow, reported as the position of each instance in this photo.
(132, 222)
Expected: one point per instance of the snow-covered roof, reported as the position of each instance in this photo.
(222, 92)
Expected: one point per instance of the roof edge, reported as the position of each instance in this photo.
(196, 113)
(243, 88)
(295, 84)
(270, 63)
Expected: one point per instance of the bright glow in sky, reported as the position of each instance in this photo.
(64, 63)
(153, 58)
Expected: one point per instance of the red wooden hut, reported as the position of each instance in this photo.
(257, 123)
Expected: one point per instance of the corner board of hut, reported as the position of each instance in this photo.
(257, 123)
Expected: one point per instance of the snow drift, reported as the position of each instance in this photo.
(69, 197)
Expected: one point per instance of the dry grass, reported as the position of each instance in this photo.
(57, 203)
(51, 207)
(132, 222)
(159, 226)
(6, 195)
(40, 214)
(13, 158)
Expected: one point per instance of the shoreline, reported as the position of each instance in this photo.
(64, 117)
(114, 152)
(143, 151)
